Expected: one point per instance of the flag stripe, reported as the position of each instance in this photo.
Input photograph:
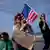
(30, 12)
(32, 15)
(29, 16)
(34, 18)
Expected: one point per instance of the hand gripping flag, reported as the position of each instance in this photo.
(29, 14)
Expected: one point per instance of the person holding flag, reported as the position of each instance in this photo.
(29, 17)
(21, 23)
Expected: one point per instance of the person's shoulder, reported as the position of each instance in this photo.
(2, 42)
(39, 22)
(10, 41)
(10, 44)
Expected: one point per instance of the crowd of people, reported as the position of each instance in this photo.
(20, 29)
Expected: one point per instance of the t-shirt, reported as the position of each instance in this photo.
(3, 45)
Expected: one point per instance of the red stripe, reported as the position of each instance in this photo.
(29, 15)
(30, 12)
(34, 18)
(32, 15)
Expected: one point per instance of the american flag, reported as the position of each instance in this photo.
(32, 16)
(29, 14)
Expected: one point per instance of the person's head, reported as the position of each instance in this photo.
(5, 36)
(17, 18)
(42, 18)
(22, 16)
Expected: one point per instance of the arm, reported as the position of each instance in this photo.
(23, 27)
(31, 28)
(40, 25)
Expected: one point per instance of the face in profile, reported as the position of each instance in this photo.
(42, 19)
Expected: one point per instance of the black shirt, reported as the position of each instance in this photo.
(46, 31)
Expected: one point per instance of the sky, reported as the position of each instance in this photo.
(9, 8)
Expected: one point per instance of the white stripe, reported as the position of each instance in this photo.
(30, 19)
(31, 15)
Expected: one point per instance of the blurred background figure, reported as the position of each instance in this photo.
(2, 44)
(0, 36)
(45, 31)
(6, 42)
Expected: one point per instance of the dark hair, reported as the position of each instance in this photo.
(0, 35)
(43, 15)
(17, 16)
(22, 13)
(5, 34)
